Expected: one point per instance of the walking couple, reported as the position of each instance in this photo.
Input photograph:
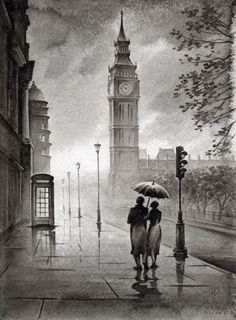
(144, 243)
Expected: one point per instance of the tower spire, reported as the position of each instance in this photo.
(121, 36)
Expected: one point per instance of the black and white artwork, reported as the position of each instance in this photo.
(117, 159)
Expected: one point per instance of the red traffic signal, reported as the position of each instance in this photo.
(180, 162)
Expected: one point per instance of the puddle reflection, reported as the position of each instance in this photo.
(43, 241)
(80, 239)
(99, 245)
(180, 268)
(146, 283)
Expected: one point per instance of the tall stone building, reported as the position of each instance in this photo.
(39, 131)
(123, 96)
(15, 146)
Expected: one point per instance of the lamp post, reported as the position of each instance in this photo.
(79, 209)
(63, 201)
(63, 196)
(68, 175)
(97, 147)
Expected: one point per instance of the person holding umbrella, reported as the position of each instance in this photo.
(154, 233)
(138, 232)
(152, 190)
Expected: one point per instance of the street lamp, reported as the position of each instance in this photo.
(68, 175)
(63, 201)
(79, 209)
(97, 147)
(63, 196)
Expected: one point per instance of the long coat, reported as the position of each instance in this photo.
(137, 229)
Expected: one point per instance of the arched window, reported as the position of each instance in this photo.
(122, 112)
(42, 138)
(129, 112)
(119, 112)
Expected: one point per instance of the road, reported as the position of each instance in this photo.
(213, 247)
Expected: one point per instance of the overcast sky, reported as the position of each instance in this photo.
(72, 42)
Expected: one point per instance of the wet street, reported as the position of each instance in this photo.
(76, 271)
(210, 245)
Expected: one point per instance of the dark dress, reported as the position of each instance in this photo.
(137, 229)
(154, 232)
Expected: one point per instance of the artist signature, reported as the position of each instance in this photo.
(212, 312)
(217, 296)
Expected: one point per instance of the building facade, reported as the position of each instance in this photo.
(15, 146)
(123, 96)
(165, 162)
(39, 130)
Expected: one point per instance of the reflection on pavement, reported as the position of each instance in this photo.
(44, 268)
(99, 245)
(80, 239)
(180, 268)
(146, 283)
(43, 241)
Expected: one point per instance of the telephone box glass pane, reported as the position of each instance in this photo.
(42, 202)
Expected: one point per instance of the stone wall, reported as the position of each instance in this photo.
(15, 74)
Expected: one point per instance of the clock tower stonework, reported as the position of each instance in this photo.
(123, 96)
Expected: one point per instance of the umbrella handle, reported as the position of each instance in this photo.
(148, 201)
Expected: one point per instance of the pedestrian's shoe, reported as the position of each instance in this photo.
(154, 266)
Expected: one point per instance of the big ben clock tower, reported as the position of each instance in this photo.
(123, 96)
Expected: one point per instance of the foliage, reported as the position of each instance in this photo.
(207, 87)
(203, 187)
(224, 183)
(199, 189)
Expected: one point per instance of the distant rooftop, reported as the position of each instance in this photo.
(165, 154)
(143, 154)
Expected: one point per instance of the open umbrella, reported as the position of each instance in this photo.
(151, 190)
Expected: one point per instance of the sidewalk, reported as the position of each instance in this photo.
(73, 272)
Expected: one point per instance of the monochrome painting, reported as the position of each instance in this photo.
(117, 159)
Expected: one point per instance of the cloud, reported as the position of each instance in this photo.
(72, 43)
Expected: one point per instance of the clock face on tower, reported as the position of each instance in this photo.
(125, 88)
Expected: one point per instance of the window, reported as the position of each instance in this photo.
(42, 138)
(44, 152)
(42, 202)
(43, 125)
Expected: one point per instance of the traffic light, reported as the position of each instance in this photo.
(180, 162)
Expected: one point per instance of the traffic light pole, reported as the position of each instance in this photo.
(180, 214)
(180, 250)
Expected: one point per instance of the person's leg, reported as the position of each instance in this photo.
(145, 261)
(154, 265)
(138, 262)
(153, 260)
